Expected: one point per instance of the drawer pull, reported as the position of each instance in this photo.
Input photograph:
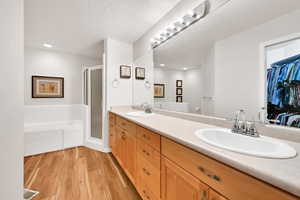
(146, 172)
(212, 176)
(145, 152)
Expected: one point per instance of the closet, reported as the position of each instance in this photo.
(283, 92)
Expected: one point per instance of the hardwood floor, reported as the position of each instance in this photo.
(77, 174)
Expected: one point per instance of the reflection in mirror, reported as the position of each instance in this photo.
(221, 63)
(283, 83)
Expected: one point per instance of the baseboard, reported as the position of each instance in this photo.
(98, 146)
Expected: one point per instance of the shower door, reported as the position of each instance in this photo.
(96, 103)
(93, 98)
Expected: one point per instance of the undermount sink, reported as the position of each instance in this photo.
(262, 146)
(139, 114)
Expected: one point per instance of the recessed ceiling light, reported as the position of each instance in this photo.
(185, 68)
(162, 65)
(47, 45)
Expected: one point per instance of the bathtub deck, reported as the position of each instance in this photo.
(77, 174)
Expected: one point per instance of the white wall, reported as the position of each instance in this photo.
(192, 86)
(118, 53)
(282, 51)
(44, 114)
(141, 93)
(193, 89)
(238, 81)
(169, 77)
(11, 117)
(52, 63)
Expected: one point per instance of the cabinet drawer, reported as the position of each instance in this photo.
(148, 137)
(149, 153)
(125, 124)
(149, 176)
(229, 182)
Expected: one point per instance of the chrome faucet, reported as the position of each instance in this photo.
(147, 107)
(238, 125)
(241, 126)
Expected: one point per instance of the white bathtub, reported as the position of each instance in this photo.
(43, 134)
(53, 136)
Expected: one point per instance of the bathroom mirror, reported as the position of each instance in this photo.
(220, 64)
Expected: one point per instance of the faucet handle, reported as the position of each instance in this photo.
(252, 130)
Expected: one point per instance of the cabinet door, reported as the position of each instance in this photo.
(120, 146)
(215, 196)
(130, 155)
(177, 184)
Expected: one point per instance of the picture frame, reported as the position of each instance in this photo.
(179, 99)
(179, 83)
(159, 90)
(47, 87)
(179, 91)
(140, 73)
(125, 71)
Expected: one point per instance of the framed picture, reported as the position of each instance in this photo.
(179, 83)
(159, 90)
(47, 87)
(125, 71)
(179, 91)
(140, 73)
(179, 99)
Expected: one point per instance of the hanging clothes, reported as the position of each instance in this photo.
(283, 90)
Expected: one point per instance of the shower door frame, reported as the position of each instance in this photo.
(90, 141)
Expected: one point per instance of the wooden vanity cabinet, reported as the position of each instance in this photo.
(177, 184)
(162, 169)
(229, 182)
(148, 164)
(124, 148)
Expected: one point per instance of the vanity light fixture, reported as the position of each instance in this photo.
(162, 65)
(185, 68)
(181, 24)
(47, 45)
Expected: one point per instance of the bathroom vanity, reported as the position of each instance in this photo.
(164, 160)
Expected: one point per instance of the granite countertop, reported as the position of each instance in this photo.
(282, 173)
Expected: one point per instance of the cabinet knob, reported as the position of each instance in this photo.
(146, 172)
(145, 152)
(146, 137)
